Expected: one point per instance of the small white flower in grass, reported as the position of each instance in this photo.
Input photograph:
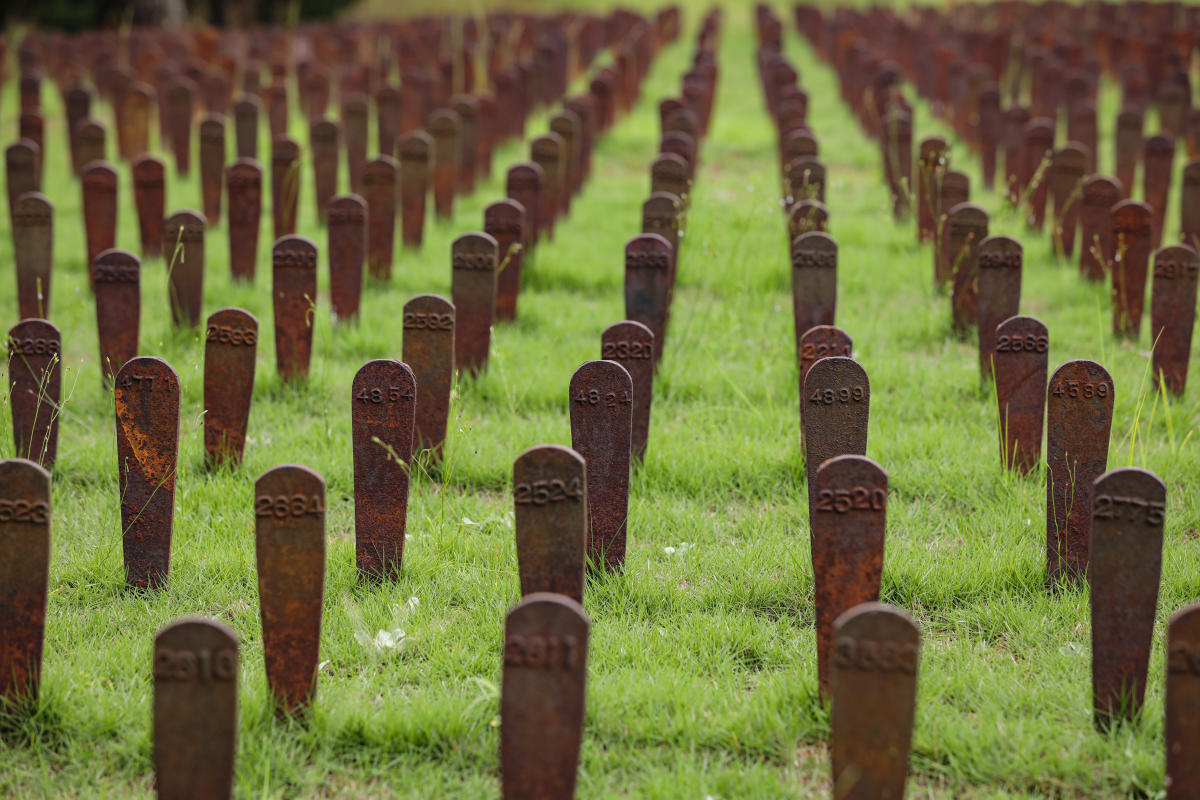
(1028, 521)
(469, 521)
(321, 667)
(683, 548)
(384, 640)
(669, 550)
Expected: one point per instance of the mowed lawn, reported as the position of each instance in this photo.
(702, 662)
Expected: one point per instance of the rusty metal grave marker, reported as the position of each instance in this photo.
(90, 138)
(195, 709)
(445, 127)
(33, 252)
(1125, 565)
(966, 226)
(347, 221)
(820, 342)
(146, 390)
(473, 289)
(285, 186)
(243, 182)
(1128, 146)
(354, 122)
(601, 402)
(669, 173)
(550, 499)
(988, 108)
(181, 99)
(814, 281)
(1189, 204)
(542, 697)
(183, 245)
(648, 260)
(547, 152)
(999, 292)
(1131, 233)
(21, 171)
(1173, 314)
(1068, 166)
(504, 221)
(150, 197)
(230, 346)
(1081, 127)
(1183, 702)
(523, 183)
(35, 388)
(117, 275)
(566, 125)
(415, 151)
(212, 166)
(806, 180)
(1019, 358)
(896, 140)
(1158, 157)
(1036, 146)
(834, 410)
(932, 163)
(276, 99)
(99, 181)
(807, 216)
(1079, 405)
(631, 344)
(78, 103)
(245, 125)
(873, 683)
(324, 138)
(467, 108)
(134, 120)
(429, 352)
(383, 415)
(294, 294)
(24, 577)
(955, 189)
(289, 535)
(848, 526)
(379, 192)
(1100, 193)
(387, 117)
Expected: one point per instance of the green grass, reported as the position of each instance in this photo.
(702, 673)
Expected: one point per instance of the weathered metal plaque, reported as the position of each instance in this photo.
(78, 103)
(1082, 128)
(820, 342)
(383, 402)
(294, 291)
(230, 346)
(1036, 146)
(1127, 510)
(243, 182)
(834, 411)
(415, 151)
(245, 125)
(195, 709)
(566, 125)
(1100, 193)
(670, 173)
(354, 122)
(504, 221)
(146, 390)
(289, 534)
(467, 108)
(648, 260)
(134, 119)
(33, 252)
(601, 402)
(473, 289)
(379, 191)
(1189, 204)
(999, 292)
(988, 109)
(1079, 406)
(814, 281)
(873, 683)
(542, 697)
(660, 214)
(966, 226)
(276, 97)
(807, 216)
(387, 117)
(117, 276)
(183, 244)
(21, 171)
(1183, 703)
(1129, 146)
(1068, 166)
(1019, 357)
(445, 127)
(24, 577)
(429, 352)
(1158, 157)
(1173, 314)
(1131, 233)
(212, 165)
(847, 525)
(955, 189)
(90, 137)
(99, 181)
(347, 219)
(631, 344)
(896, 140)
(547, 152)
(35, 388)
(324, 138)
(932, 162)
(550, 497)
(150, 197)
(285, 186)
(523, 183)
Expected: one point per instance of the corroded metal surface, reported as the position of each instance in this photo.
(566, 125)
(1128, 146)
(547, 152)
(21, 171)
(601, 403)
(445, 127)
(243, 182)
(285, 186)
(24, 574)
(1019, 356)
(807, 216)
(90, 142)
(429, 352)
(966, 226)
(550, 499)
(847, 524)
(669, 173)
(473, 289)
(1173, 314)
(806, 179)
(542, 697)
(383, 403)
(245, 126)
(1127, 509)
(230, 346)
(35, 388)
(117, 275)
(354, 123)
(896, 140)
(876, 651)
(415, 152)
(1099, 194)
(505, 222)
(1068, 167)
(33, 252)
(631, 344)
(998, 291)
(1158, 158)
(146, 390)
(820, 342)
(347, 221)
(467, 108)
(1036, 146)
(1131, 233)
(294, 292)
(379, 192)
(955, 188)
(1079, 406)
(99, 181)
(648, 260)
(195, 709)
(834, 411)
(1183, 703)
(150, 198)
(814, 281)
(183, 244)
(324, 138)
(212, 166)
(289, 535)
(523, 183)
(1015, 118)
(1189, 204)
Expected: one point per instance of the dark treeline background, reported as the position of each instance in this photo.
(75, 15)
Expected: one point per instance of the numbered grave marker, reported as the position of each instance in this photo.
(1189, 204)
(473, 289)
(146, 390)
(504, 221)
(1015, 119)
(24, 576)
(383, 415)
(999, 292)
(648, 260)
(467, 109)
(814, 281)
(807, 216)
(1129, 146)
(35, 388)
(324, 138)
(289, 534)
(33, 252)
(243, 180)
(932, 161)
(90, 142)
(117, 276)
(78, 102)
(566, 125)
(245, 126)
(1019, 356)
(1068, 166)
(820, 342)
(354, 120)
(231, 343)
(1173, 314)
(1183, 702)
(669, 173)
(1131, 234)
(379, 192)
(99, 181)
(285, 186)
(429, 352)
(414, 150)
(547, 152)
(1100, 193)
(631, 344)
(834, 412)
(150, 197)
(955, 189)
(212, 165)
(966, 227)
(550, 497)
(184, 253)
(1036, 147)
(524, 185)
(806, 180)
(347, 220)
(21, 176)
(1158, 158)
(445, 126)
(294, 292)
